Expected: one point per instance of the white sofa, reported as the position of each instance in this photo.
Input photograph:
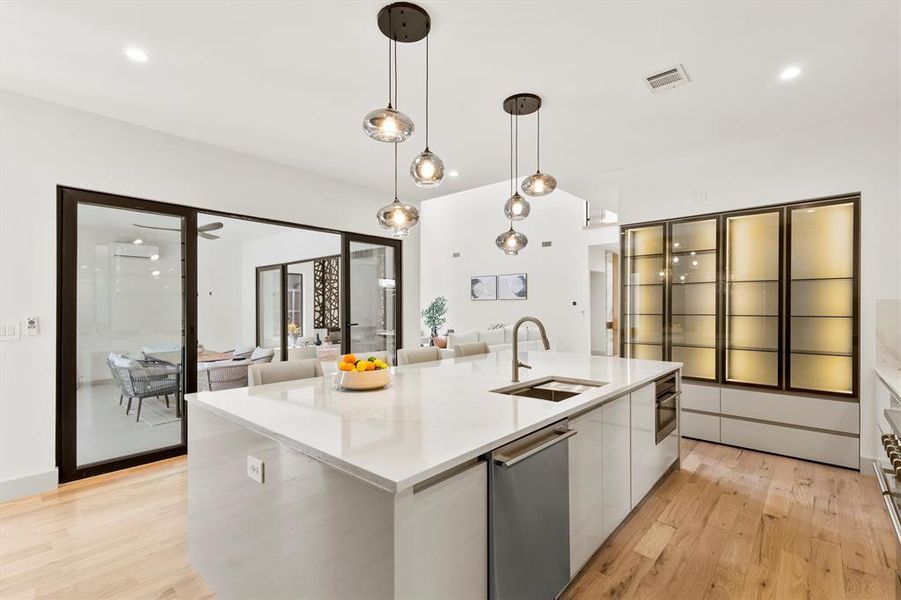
(498, 339)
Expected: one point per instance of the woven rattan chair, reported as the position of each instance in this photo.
(146, 379)
(222, 375)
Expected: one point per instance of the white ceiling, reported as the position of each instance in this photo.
(291, 81)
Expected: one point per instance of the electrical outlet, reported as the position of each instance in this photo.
(255, 469)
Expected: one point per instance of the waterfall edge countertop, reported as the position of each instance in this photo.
(431, 418)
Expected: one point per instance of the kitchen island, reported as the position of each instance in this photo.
(302, 490)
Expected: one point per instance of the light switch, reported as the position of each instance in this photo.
(255, 469)
(9, 331)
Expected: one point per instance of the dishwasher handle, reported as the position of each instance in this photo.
(558, 436)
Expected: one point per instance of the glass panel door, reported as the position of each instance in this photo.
(693, 297)
(123, 274)
(821, 306)
(753, 279)
(270, 298)
(644, 279)
(373, 294)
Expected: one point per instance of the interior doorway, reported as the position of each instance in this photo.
(603, 269)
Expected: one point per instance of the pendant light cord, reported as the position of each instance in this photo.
(538, 151)
(395, 74)
(389, 72)
(517, 147)
(426, 92)
(511, 153)
(395, 172)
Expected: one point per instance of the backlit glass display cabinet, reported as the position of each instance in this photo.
(694, 267)
(644, 282)
(822, 297)
(753, 288)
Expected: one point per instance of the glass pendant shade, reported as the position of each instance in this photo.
(427, 169)
(388, 125)
(517, 208)
(539, 184)
(511, 242)
(398, 217)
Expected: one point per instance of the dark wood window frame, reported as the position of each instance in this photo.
(68, 199)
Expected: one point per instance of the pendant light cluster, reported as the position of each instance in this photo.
(518, 208)
(405, 23)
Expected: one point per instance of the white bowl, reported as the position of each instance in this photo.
(364, 380)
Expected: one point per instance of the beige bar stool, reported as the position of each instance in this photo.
(283, 371)
(417, 355)
(461, 350)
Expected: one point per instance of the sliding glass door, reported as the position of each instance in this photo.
(372, 293)
(130, 304)
(123, 316)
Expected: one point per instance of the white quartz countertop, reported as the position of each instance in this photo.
(431, 418)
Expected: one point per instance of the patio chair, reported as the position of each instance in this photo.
(222, 375)
(139, 379)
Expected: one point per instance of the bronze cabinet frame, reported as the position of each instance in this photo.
(784, 321)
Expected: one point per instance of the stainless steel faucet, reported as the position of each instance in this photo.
(516, 363)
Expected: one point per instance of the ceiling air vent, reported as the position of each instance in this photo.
(667, 79)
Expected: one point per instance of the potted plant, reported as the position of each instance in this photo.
(434, 316)
(293, 333)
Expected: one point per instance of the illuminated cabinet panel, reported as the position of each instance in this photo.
(821, 274)
(644, 281)
(752, 263)
(694, 268)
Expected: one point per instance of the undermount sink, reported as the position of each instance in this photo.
(552, 389)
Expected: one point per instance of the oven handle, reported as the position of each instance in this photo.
(889, 501)
(672, 396)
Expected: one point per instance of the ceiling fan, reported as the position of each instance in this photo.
(202, 230)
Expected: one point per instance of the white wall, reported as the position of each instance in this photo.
(468, 222)
(219, 298)
(43, 145)
(857, 155)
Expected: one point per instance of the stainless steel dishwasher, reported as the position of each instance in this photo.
(528, 548)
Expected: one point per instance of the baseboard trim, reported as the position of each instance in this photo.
(20, 487)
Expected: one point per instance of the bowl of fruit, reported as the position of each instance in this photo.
(362, 373)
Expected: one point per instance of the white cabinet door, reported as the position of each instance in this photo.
(616, 463)
(644, 465)
(586, 528)
(441, 538)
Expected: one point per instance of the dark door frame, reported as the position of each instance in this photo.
(345, 286)
(68, 199)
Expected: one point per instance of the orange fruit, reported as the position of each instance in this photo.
(344, 366)
(349, 358)
(370, 366)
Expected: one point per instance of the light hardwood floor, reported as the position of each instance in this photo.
(730, 524)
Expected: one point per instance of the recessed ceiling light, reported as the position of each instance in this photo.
(155, 273)
(136, 54)
(789, 73)
(453, 173)
(154, 257)
(138, 241)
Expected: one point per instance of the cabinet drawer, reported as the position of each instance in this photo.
(700, 427)
(828, 448)
(701, 397)
(835, 415)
